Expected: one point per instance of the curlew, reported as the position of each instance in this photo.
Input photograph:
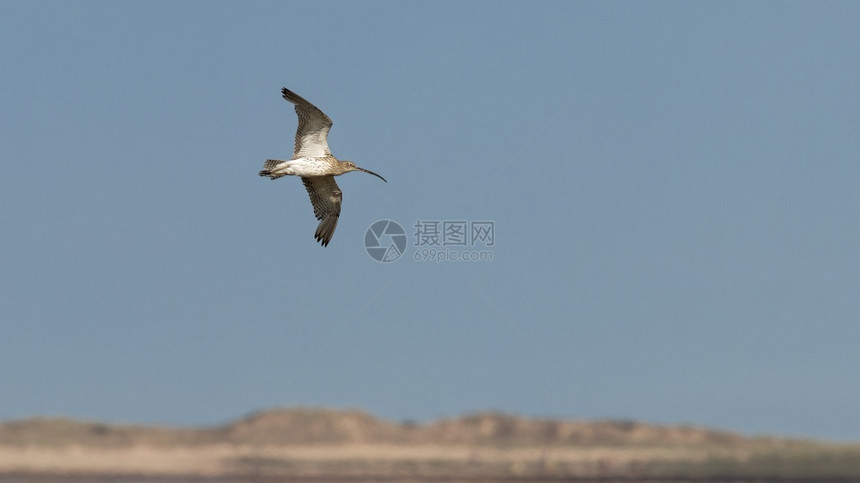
(315, 164)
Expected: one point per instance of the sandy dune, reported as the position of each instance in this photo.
(320, 443)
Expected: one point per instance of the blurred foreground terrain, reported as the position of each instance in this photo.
(329, 445)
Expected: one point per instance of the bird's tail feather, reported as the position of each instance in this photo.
(269, 166)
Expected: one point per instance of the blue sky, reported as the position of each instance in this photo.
(673, 187)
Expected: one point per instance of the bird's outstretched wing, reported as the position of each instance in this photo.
(312, 133)
(326, 198)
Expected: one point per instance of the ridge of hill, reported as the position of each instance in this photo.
(310, 444)
(301, 426)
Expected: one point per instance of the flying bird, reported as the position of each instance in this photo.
(313, 162)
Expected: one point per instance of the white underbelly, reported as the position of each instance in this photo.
(302, 167)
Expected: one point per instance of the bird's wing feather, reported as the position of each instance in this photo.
(312, 133)
(326, 198)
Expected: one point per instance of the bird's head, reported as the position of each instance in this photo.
(350, 166)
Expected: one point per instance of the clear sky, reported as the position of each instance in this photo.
(673, 187)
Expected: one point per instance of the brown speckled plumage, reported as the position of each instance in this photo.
(313, 162)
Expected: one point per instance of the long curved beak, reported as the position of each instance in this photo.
(371, 172)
